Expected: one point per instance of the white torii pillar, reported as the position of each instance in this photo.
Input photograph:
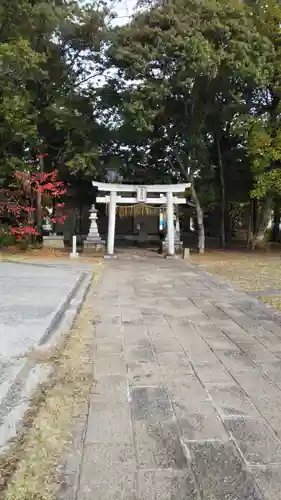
(170, 223)
(111, 223)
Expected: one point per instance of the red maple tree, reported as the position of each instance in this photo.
(20, 202)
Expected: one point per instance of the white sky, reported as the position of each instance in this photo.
(124, 9)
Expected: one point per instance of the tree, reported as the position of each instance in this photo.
(263, 126)
(176, 67)
(48, 50)
(18, 203)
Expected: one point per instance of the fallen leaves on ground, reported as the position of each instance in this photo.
(247, 271)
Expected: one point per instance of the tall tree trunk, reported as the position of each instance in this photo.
(200, 218)
(276, 222)
(39, 203)
(222, 201)
(255, 215)
(259, 233)
(250, 225)
(253, 222)
(228, 224)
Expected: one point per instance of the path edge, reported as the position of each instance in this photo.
(33, 373)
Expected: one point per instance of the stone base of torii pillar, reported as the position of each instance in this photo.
(177, 240)
(94, 243)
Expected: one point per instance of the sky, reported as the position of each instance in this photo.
(124, 9)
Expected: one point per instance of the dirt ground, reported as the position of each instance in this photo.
(14, 253)
(246, 270)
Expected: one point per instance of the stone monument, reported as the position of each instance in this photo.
(94, 243)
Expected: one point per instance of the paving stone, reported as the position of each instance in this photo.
(167, 345)
(237, 337)
(158, 445)
(234, 331)
(185, 389)
(257, 352)
(152, 320)
(268, 481)
(220, 473)
(222, 344)
(135, 335)
(212, 372)
(161, 332)
(190, 339)
(141, 370)
(230, 399)
(109, 346)
(108, 473)
(108, 330)
(256, 440)
(110, 388)
(109, 423)
(273, 345)
(146, 380)
(235, 361)
(265, 395)
(150, 404)
(273, 327)
(140, 355)
(110, 320)
(174, 363)
(167, 485)
(202, 355)
(200, 319)
(199, 421)
(154, 311)
(131, 316)
(210, 331)
(272, 371)
(112, 364)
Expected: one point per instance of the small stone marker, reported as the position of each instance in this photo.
(74, 254)
(53, 241)
(186, 253)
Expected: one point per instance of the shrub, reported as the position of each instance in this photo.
(7, 239)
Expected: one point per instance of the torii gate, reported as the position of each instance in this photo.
(166, 196)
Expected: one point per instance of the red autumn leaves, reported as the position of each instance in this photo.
(19, 203)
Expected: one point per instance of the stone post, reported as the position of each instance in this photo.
(93, 243)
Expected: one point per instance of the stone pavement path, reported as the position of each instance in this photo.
(187, 401)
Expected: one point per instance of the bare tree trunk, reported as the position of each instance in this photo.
(259, 233)
(276, 223)
(200, 218)
(39, 203)
(229, 224)
(254, 223)
(199, 211)
(222, 201)
(250, 224)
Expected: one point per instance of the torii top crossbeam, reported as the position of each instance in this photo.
(150, 188)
